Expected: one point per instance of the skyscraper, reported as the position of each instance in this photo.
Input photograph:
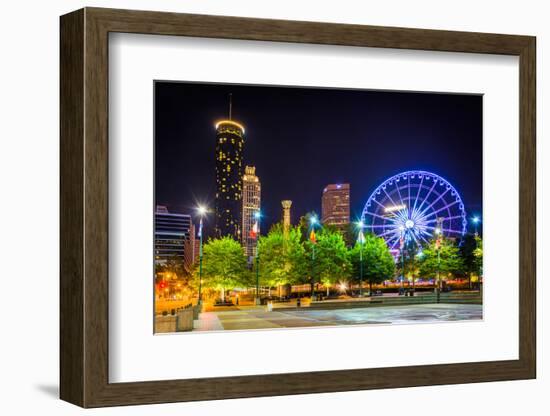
(229, 176)
(335, 205)
(251, 206)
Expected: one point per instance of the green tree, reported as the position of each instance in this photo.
(450, 261)
(282, 257)
(478, 254)
(171, 268)
(331, 262)
(378, 263)
(224, 265)
(471, 252)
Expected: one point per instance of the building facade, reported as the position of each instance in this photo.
(172, 233)
(190, 252)
(229, 179)
(335, 205)
(250, 207)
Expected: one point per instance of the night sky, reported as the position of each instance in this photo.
(301, 139)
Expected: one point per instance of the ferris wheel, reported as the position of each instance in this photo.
(411, 207)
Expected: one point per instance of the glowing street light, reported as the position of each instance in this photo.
(313, 221)
(257, 217)
(342, 287)
(361, 241)
(438, 233)
(476, 220)
(202, 211)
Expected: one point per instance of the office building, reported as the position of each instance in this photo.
(172, 232)
(335, 205)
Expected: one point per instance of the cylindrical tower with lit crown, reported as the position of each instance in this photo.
(229, 177)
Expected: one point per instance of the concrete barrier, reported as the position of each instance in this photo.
(456, 298)
(184, 320)
(165, 324)
(196, 310)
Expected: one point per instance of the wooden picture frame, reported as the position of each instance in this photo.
(84, 207)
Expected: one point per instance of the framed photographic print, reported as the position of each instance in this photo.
(291, 207)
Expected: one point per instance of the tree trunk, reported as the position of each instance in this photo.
(370, 288)
(223, 295)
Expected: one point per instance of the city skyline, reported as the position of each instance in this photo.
(188, 125)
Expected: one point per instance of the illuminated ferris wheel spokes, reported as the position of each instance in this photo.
(411, 205)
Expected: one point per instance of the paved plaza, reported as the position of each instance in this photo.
(259, 318)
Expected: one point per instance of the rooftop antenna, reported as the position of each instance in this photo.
(230, 104)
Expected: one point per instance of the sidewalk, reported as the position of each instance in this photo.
(208, 321)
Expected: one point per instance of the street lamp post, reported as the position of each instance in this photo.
(420, 256)
(202, 212)
(402, 249)
(438, 276)
(313, 221)
(257, 216)
(361, 241)
(475, 220)
(438, 248)
(361, 271)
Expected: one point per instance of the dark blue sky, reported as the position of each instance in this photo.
(301, 139)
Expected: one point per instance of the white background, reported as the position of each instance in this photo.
(29, 213)
(136, 355)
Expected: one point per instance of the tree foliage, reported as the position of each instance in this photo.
(172, 268)
(224, 265)
(378, 263)
(478, 254)
(449, 260)
(331, 262)
(282, 258)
